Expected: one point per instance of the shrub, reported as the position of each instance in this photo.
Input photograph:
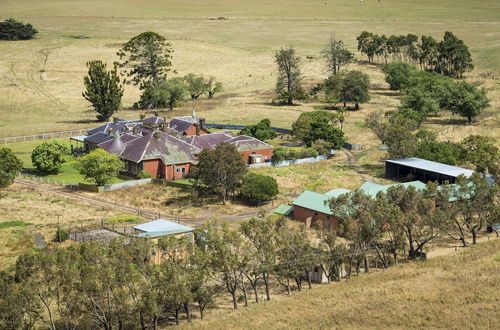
(48, 157)
(61, 235)
(257, 188)
(261, 131)
(397, 74)
(309, 152)
(100, 166)
(144, 175)
(13, 30)
(10, 165)
(322, 147)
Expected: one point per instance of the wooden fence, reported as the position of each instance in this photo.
(42, 136)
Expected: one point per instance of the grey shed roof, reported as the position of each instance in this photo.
(427, 165)
(161, 227)
(246, 143)
(209, 141)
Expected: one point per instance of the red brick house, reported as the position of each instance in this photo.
(167, 150)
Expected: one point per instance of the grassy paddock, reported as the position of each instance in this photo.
(41, 80)
(453, 291)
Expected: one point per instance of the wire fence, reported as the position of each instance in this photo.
(49, 180)
(42, 136)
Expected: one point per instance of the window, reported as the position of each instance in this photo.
(178, 170)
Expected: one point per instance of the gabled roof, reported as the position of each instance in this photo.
(161, 227)
(245, 143)
(159, 145)
(182, 124)
(153, 120)
(118, 126)
(431, 166)
(98, 138)
(117, 144)
(208, 141)
(372, 189)
(313, 201)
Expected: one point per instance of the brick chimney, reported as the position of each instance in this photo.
(143, 116)
(110, 131)
(134, 130)
(156, 134)
(115, 120)
(202, 123)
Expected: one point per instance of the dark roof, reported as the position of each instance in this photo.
(208, 141)
(119, 126)
(117, 144)
(246, 143)
(160, 145)
(98, 138)
(182, 124)
(153, 120)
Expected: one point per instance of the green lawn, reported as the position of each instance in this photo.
(68, 172)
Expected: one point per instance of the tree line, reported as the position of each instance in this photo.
(144, 61)
(116, 285)
(427, 93)
(449, 56)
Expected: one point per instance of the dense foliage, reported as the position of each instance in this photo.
(102, 89)
(166, 94)
(262, 130)
(146, 59)
(48, 157)
(220, 170)
(450, 56)
(100, 166)
(10, 165)
(257, 188)
(318, 125)
(11, 29)
(348, 87)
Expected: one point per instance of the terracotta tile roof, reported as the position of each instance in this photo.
(160, 145)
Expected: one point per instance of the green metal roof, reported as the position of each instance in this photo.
(284, 209)
(372, 189)
(313, 201)
(337, 192)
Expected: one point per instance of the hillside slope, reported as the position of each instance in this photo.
(455, 291)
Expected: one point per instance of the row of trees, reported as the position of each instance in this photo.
(116, 285)
(146, 62)
(450, 56)
(426, 93)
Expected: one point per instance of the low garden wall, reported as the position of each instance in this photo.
(292, 161)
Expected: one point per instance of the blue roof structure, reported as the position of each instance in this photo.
(161, 227)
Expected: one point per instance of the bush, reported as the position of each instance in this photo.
(13, 30)
(10, 165)
(61, 235)
(258, 188)
(322, 147)
(309, 152)
(280, 154)
(261, 131)
(144, 175)
(397, 74)
(48, 157)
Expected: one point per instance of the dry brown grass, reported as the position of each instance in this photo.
(459, 290)
(40, 211)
